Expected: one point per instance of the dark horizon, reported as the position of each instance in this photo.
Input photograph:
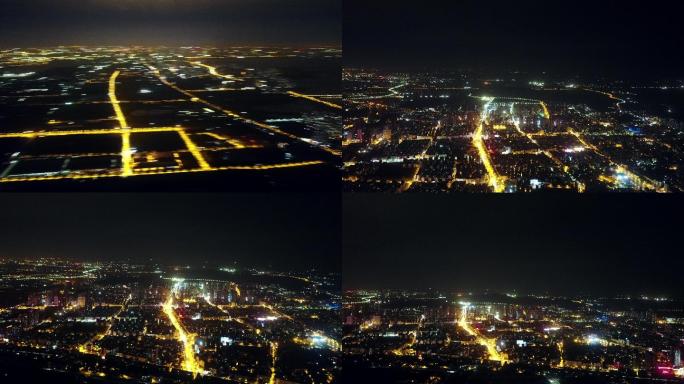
(44, 23)
(282, 231)
(609, 38)
(161, 46)
(566, 245)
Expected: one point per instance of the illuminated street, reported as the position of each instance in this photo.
(490, 344)
(478, 142)
(190, 362)
(130, 118)
(503, 136)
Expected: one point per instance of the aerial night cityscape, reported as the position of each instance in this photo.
(434, 293)
(235, 115)
(341, 191)
(193, 309)
(466, 133)
(507, 98)
(439, 337)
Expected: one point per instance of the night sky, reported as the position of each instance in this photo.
(609, 37)
(286, 231)
(565, 244)
(27, 23)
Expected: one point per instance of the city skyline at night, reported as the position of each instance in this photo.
(171, 288)
(541, 289)
(523, 96)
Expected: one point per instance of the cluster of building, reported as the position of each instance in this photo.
(132, 322)
(440, 335)
(451, 132)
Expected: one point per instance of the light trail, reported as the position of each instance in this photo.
(274, 357)
(547, 115)
(194, 150)
(212, 70)
(126, 155)
(143, 172)
(110, 131)
(271, 128)
(610, 96)
(478, 143)
(490, 344)
(190, 361)
(115, 102)
(314, 99)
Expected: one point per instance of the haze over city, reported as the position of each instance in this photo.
(170, 22)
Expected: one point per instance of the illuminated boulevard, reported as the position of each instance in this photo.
(190, 362)
(490, 344)
(479, 144)
(168, 118)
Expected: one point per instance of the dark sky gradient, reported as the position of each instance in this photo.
(587, 36)
(568, 244)
(170, 22)
(280, 230)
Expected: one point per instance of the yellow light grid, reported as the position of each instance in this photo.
(127, 163)
(314, 99)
